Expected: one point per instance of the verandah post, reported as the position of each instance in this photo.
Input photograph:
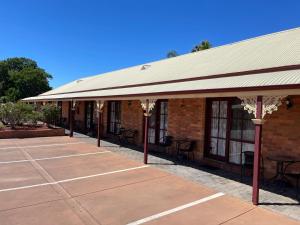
(146, 115)
(99, 128)
(71, 120)
(257, 151)
(99, 111)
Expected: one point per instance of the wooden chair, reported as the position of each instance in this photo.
(127, 136)
(186, 147)
(294, 174)
(249, 162)
(167, 143)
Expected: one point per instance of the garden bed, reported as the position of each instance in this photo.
(29, 132)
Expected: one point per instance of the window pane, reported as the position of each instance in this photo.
(237, 111)
(247, 147)
(247, 115)
(152, 120)
(162, 135)
(248, 130)
(223, 109)
(213, 146)
(235, 152)
(166, 107)
(162, 122)
(222, 128)
(221, 147)
(162, 108)
(114, 117)
(214, 127)
(151, 136)
(166, 122)
(111, 128)
(215, 108)
(236, 129)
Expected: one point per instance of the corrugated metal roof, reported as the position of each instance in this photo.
(273, 50)
(209, 85)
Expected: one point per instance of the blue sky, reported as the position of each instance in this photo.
(72, 38)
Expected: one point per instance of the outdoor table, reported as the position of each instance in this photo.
(179, 141)
(282, 161)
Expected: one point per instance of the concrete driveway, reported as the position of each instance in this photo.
(63, 181)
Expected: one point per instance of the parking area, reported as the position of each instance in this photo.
(63, 181)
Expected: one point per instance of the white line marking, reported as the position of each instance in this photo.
(72, 179)
(165, 213)
(38, 146)
(56, 157)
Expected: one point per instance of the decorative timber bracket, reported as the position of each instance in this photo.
(73, 105)
(148, 105)
(269, 105)
(100, 106)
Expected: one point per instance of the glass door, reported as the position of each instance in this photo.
(158, 123)
(114, 117)
(230, 131)
(163, 121)
(218, 128)
(242, 133)
(89, 110)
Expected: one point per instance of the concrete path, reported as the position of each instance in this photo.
(64, 181)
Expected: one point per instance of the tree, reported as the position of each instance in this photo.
(50, 114)
(202, 46)
(172, 54)
(21, 63)
(4, 77)
(21, 78)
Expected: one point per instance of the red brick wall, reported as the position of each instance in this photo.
(281, 133)
(132, 118)
(79, 115)
(65, 110)
(187, 120)
(30, 133)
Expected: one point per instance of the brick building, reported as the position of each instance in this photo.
(242, 97)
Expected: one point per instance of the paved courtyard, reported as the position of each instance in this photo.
(62, 180)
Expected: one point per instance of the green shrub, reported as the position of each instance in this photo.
(50, 114)
(2, 126)
(34, 117)
(15, 113)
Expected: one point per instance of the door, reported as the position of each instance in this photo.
(114, 117)
(230, 131)
(158, 123)
(218, 131)
(89, 111)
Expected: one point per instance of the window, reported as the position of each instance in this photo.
(89, 111)
(218, 125)
(230, 130)
(241, 133)
(158, 123)
(114, 117)
(163, 123)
